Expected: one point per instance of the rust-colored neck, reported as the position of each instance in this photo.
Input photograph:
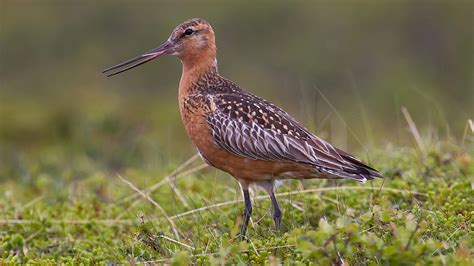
(194, 67)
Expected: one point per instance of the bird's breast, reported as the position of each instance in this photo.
(194, 110)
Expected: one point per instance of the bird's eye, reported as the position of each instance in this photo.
(188, 32)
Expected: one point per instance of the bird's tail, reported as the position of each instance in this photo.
(356, 170)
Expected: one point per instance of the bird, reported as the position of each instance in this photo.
(240, 133)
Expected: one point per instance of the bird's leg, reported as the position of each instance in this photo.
(276, 211)
(269, 186)
(247, 212)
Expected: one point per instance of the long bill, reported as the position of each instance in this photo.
(165, 48)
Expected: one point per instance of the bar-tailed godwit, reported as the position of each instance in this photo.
(242, 134)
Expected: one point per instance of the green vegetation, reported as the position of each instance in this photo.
(421, 213)
(343, 68)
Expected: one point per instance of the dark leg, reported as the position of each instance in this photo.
(276, 211)
(247, 212)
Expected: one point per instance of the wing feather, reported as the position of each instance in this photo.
(251, 127)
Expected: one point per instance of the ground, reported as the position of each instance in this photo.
(189, 213)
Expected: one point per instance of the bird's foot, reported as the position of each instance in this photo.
(242, 234)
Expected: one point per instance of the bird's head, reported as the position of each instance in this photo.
(192, 41)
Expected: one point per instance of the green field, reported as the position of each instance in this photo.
(56, 211)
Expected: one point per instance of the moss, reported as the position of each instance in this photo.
(86, 220)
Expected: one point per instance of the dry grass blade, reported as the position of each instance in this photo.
(177, 242)
(330, 200)
(414, 131)
(180, 175)
(253, 246)
(294, 205)
(221, 204)
(166, 180)
(32, 202)
(174, 172)
(342, 119)
(35, 234)
(158, 206)
(162, 182)
(469, 126)
(178, 193)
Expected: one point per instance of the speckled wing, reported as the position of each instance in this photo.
(249, 126)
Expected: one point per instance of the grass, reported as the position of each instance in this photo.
(95, 188)
(422, 213)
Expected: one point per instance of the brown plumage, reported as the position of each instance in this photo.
(240, 133)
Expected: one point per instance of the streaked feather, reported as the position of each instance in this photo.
(249, 126)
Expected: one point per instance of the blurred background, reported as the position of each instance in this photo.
(343, 68)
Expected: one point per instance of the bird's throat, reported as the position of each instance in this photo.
(193, 70)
